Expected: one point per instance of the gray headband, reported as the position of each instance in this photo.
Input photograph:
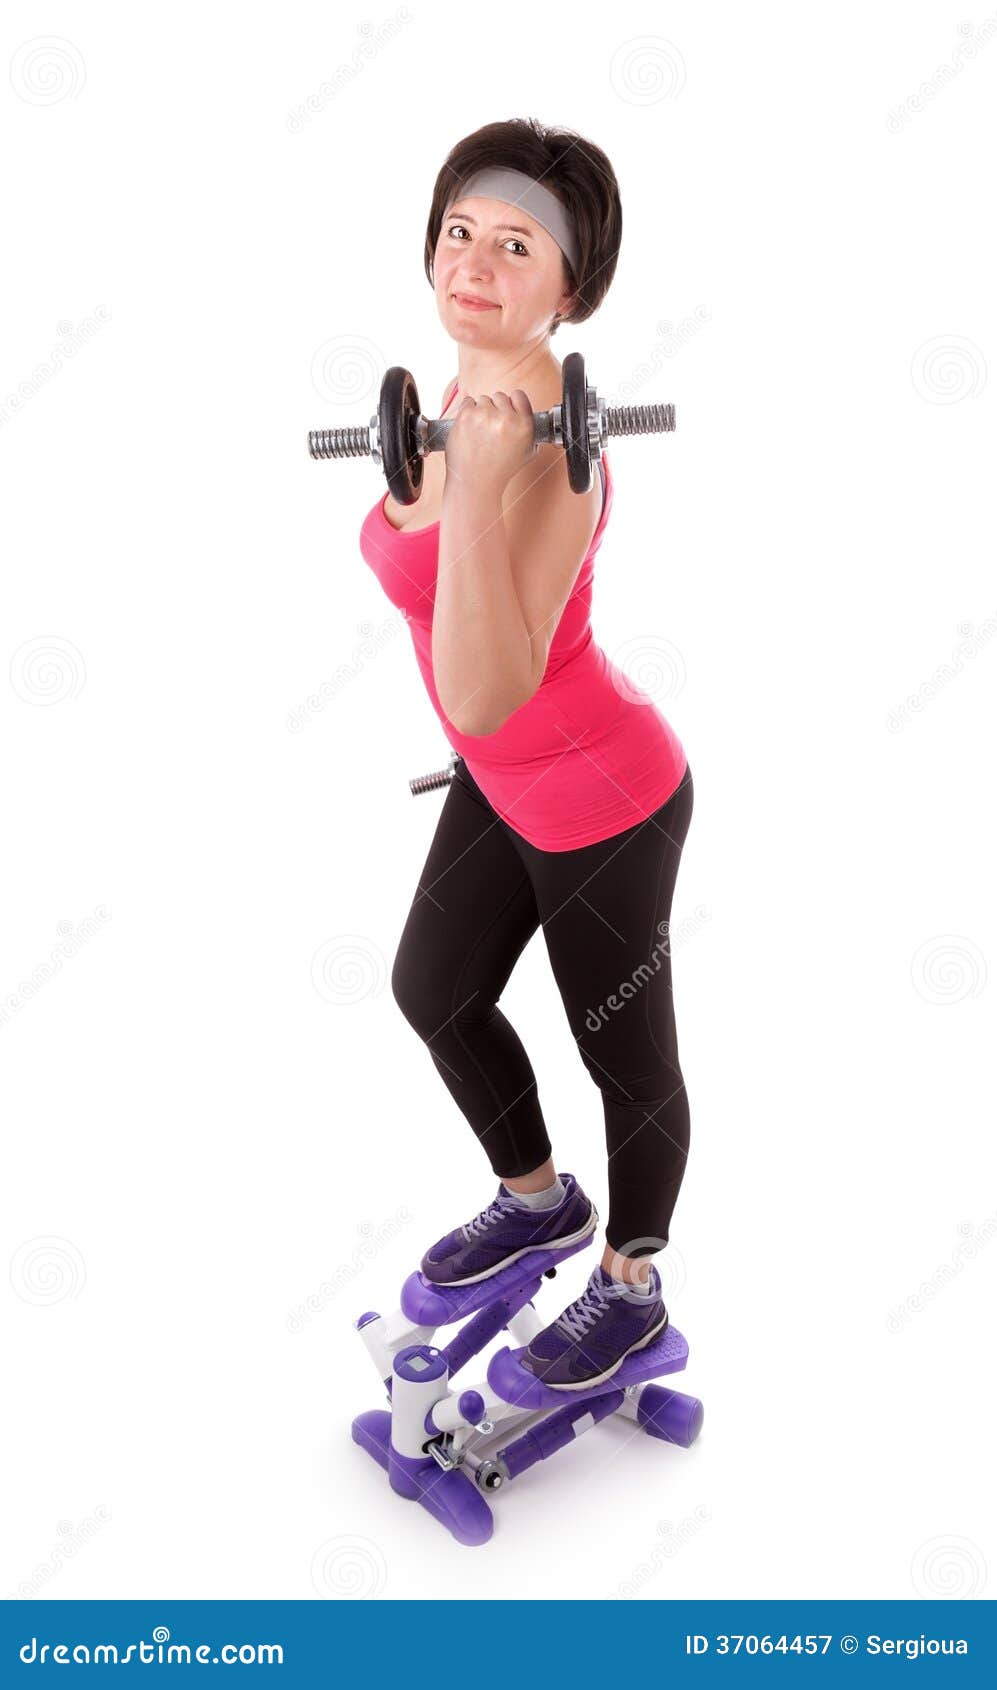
(516, 188)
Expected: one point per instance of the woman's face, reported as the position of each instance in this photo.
(495, 251)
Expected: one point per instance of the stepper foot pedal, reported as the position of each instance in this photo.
(426, 1304)
(516, 1384)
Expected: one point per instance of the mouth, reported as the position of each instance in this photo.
(474, 303)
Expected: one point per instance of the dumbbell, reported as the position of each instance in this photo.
(398, 436)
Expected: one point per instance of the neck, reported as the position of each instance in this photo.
(482, 370)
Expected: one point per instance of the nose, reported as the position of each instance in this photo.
(482, 275)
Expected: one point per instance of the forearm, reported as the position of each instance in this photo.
(481, 649)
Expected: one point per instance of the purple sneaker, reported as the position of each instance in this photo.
(588, 1342)
(506, 1230)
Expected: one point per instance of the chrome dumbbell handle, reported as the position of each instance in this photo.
(433, 433)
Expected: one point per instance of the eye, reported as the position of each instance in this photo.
(522, 253)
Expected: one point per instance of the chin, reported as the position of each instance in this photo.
(469, 331)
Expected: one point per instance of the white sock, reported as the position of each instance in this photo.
(548, 1199)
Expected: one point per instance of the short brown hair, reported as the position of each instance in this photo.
(574, 169)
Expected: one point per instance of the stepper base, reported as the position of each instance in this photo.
(451, 1497)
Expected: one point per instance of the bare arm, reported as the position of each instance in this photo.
(481, 646)
(508, 559)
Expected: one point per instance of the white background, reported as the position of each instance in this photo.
(214, 1109)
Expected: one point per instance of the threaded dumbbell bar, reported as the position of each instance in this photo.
(432, 783)
(398, 437)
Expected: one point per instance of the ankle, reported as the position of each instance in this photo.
(548, 1196)
(527, 1185)
(634, 1271)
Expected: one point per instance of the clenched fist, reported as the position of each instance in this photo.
(491, 439)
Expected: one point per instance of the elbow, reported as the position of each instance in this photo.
(481, 716)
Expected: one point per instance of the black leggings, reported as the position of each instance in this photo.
(605, 910)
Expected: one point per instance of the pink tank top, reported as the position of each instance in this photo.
(589, 754)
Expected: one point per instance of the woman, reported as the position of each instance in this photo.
(572, 797)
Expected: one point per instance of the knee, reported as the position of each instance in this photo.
(644, 1088)
(423, 998)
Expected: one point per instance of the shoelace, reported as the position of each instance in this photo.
(593, 1302)
(494, 1212)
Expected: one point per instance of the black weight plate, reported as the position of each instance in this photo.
(574, 422)
(397, 413)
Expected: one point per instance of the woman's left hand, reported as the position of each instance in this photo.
(491, 439)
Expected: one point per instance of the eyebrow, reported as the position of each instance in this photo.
(513, 226)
